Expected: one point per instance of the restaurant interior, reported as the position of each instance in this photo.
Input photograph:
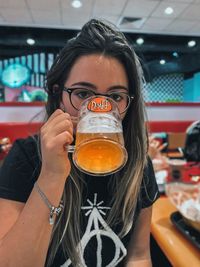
(166, 38)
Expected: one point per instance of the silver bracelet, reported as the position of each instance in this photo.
(53, 210)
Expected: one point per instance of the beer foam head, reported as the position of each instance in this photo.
(104, 123)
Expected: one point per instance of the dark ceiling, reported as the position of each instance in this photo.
(155, 47)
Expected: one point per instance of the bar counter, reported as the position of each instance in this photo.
(179, 251)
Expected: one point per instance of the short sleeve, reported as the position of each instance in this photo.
(149, 192)
(20, 170)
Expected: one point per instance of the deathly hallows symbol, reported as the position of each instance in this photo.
(98, 228)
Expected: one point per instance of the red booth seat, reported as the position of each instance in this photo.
(168, 126)
(15, 130)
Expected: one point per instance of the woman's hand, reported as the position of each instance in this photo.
(55, 134)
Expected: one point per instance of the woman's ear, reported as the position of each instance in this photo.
(55, 89)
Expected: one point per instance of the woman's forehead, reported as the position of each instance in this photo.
(97, 68)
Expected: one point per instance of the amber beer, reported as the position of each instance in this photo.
(100, 153)
(99, 147)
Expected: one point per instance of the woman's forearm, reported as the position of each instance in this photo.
(139, 263)
(26, 243)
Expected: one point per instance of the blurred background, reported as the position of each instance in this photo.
(164, 33)
(166, 36)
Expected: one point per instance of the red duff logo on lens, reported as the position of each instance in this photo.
(99, 104)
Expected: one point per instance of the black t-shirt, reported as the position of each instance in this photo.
(100, 243)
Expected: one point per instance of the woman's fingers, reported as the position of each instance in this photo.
(56, 113)
(57, 143)
(55, 134)
(57, 116)
(59, 119)
(58, 127)
(64, 138)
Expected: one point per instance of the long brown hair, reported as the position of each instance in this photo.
(98, 37)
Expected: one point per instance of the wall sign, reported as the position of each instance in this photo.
(15, 75)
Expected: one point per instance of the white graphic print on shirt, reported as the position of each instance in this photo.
(97, 227)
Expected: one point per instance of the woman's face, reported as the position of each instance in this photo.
(97, 73)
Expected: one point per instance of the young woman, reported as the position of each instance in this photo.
(101, 221)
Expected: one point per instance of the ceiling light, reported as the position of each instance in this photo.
(162, 61)
(175, 54)
(76, 3)
(30, 41)
(140, 41)
(169, 10)
(191, 43)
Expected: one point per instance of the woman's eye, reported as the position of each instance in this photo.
(83, 94)
(116, 97)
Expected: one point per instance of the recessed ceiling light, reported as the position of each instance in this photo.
(169, 10)
(191, 43)
(30, 41)
(162, 61)
(140, 41)
(76, 3)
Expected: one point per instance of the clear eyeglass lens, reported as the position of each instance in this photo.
(79, 95)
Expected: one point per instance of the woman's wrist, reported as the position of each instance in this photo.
(54, 211)
(53, 177)
(52, 187)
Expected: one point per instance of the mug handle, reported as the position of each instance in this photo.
(70, 148)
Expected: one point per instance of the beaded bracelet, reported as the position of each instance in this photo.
(53, 210)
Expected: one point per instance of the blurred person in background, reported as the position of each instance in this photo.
(5, 145)
(160, 162)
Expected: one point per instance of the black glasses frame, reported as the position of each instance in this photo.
(70, 91)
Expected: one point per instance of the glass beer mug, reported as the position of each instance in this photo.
(99, 147)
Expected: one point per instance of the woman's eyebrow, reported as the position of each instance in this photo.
(86, 84)
(94, 87)
(118, 87)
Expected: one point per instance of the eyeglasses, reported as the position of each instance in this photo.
(78, 95)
